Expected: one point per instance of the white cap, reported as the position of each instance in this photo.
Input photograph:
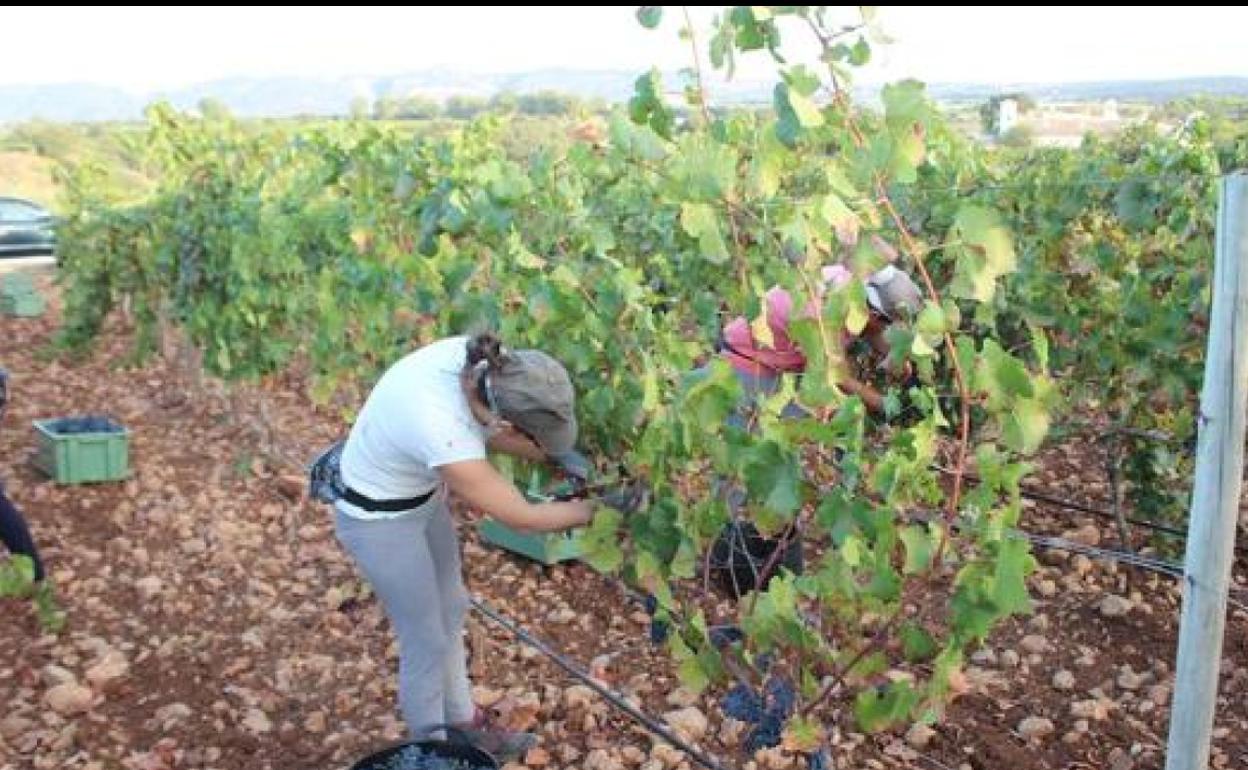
(890, 289)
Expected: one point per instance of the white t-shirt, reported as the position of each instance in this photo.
(415, 420)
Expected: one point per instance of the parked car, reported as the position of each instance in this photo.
(26, 228)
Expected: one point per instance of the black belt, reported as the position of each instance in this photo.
(383, 506)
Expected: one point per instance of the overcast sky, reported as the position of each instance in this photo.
(162, 47)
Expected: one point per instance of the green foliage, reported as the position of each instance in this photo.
(343, 246)
(35, 155)
(386, 107)
(213, 109)
(649, 16)
(550, 102)
(416, 107)
(465, 107)
(1020, 136)
(17, 575)
(1123, 231)
(17, 578)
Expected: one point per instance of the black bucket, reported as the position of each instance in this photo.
(469, 757)
(740, 553)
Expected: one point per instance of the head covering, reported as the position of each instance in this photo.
(890, 292)
(533, 391)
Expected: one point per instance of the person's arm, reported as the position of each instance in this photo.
(869, 395)
(482, 487)
(513, 442)
(875, 335)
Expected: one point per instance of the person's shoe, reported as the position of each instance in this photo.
(503, 745)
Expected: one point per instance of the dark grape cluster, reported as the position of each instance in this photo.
(659, 628)
(780, 696)
(651, 603)
(743, 704)
(767, 711)
(658, 631)
(820, 760)
(415, 758)
(766, 733)
(723, 636)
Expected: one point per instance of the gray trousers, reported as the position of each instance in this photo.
(413, 564)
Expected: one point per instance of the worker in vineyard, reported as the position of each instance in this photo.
(14, 533)
(760, 366)
(425, 429)
(739, 550)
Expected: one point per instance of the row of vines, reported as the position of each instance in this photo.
(1056, 282)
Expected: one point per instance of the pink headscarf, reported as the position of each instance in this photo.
(751, 357)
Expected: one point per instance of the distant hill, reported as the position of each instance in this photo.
(290, 96)
(68, 102)
(1122, 90)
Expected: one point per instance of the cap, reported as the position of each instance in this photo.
(533, 391)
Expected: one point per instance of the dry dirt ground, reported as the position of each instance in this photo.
(214, 622)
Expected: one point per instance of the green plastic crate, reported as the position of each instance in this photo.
(16, 285)
(23, 306)
(544, 547)
(79, 450)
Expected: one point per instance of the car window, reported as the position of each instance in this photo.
(17, 212)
